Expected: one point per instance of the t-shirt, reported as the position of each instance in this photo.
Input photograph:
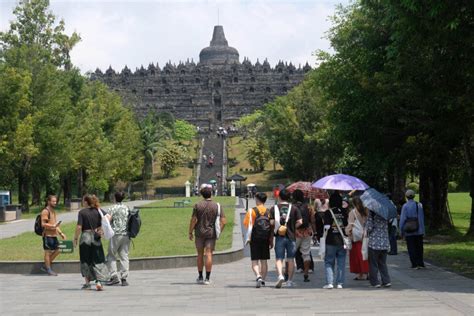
(206, 214)
(294, 216)
(89, 218)
(307, 231)
(119, 213)
(334, 237)
(261, 209)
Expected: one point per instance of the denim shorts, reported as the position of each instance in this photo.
(283, 244)
(50, 243)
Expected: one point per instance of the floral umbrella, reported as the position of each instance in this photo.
(308, 190)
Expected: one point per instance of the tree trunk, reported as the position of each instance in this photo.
(108, 193)
(469, 147)
(24, 188)
(81, 180)
(398, 184)
(66, 187)
(35, 192)
(434, 196)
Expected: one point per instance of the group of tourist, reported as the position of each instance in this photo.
(95, 266)
(341, 225)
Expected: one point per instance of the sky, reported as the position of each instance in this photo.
(137, 32)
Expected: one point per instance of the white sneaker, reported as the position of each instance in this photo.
(339, 286)
(280, 281)
(290, 284)
(200, 281)
(328, 286)
(207, 282)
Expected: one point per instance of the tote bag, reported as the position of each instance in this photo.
(357, 229)
(322, 244)
(365, 248)
(217, 224)
(106, 227)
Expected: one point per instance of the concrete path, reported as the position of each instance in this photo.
(10, 229)
(431, 291)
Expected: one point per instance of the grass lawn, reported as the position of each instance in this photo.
(269, 177)
(453, 249)
(164, 232)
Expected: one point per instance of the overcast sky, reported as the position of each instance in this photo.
(138, 32)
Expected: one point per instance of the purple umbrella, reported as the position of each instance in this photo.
(341, 182)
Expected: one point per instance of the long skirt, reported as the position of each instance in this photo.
(357, 265)
(92, 258)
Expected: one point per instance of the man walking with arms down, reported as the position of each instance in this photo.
(412, 227)
(50, 234)
(205, 214)
(120, 242)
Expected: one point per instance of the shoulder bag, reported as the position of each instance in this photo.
(217, 224)
(106, 227)
(357, 228)
(347, 241)
(282, 229)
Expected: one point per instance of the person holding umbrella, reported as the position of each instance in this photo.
(335, 220)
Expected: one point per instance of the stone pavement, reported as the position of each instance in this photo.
(432, 291)
(10, 229)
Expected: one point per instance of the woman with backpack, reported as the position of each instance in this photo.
(355, 230)
(304, 233)
(261, 238)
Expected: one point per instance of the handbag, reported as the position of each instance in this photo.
(106, 227)
(365, 247)
(357, 229)
(217, 224)
(411, 223)
(347, 241)
(282, 229)
(322, 245)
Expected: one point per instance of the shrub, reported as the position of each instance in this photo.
(452, 186)
(135, 196)
(413, 186)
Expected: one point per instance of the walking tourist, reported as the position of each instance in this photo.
(261, 240)
(377, 230)
(119, 244)
(335, 220)
(412, 227)
(91, 252)
(304, 233)
(355, 230)
(203, 223)
(51, 230)
(286, 218)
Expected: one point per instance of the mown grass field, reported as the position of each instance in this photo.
(453, 249)
(269, 177)
(164, 232)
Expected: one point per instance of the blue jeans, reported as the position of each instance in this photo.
(283, 244)
(334, 253)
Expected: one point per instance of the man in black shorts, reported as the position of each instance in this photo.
(50, 234)
(261, 240)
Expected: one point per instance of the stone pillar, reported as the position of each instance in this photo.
(188, 188)
(14, 208)
(232, 188)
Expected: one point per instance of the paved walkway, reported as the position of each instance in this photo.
(432, 291)
(10, 229)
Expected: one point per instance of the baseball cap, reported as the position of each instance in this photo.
(410, 194)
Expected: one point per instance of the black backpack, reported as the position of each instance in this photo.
(261, 228)
(134, 223)
(304, 214)
(38, 226)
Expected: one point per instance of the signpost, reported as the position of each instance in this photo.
(66, 246)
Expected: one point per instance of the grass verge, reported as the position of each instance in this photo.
(164, 232)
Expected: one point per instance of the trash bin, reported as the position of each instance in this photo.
(14, 208)
(75, 204)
